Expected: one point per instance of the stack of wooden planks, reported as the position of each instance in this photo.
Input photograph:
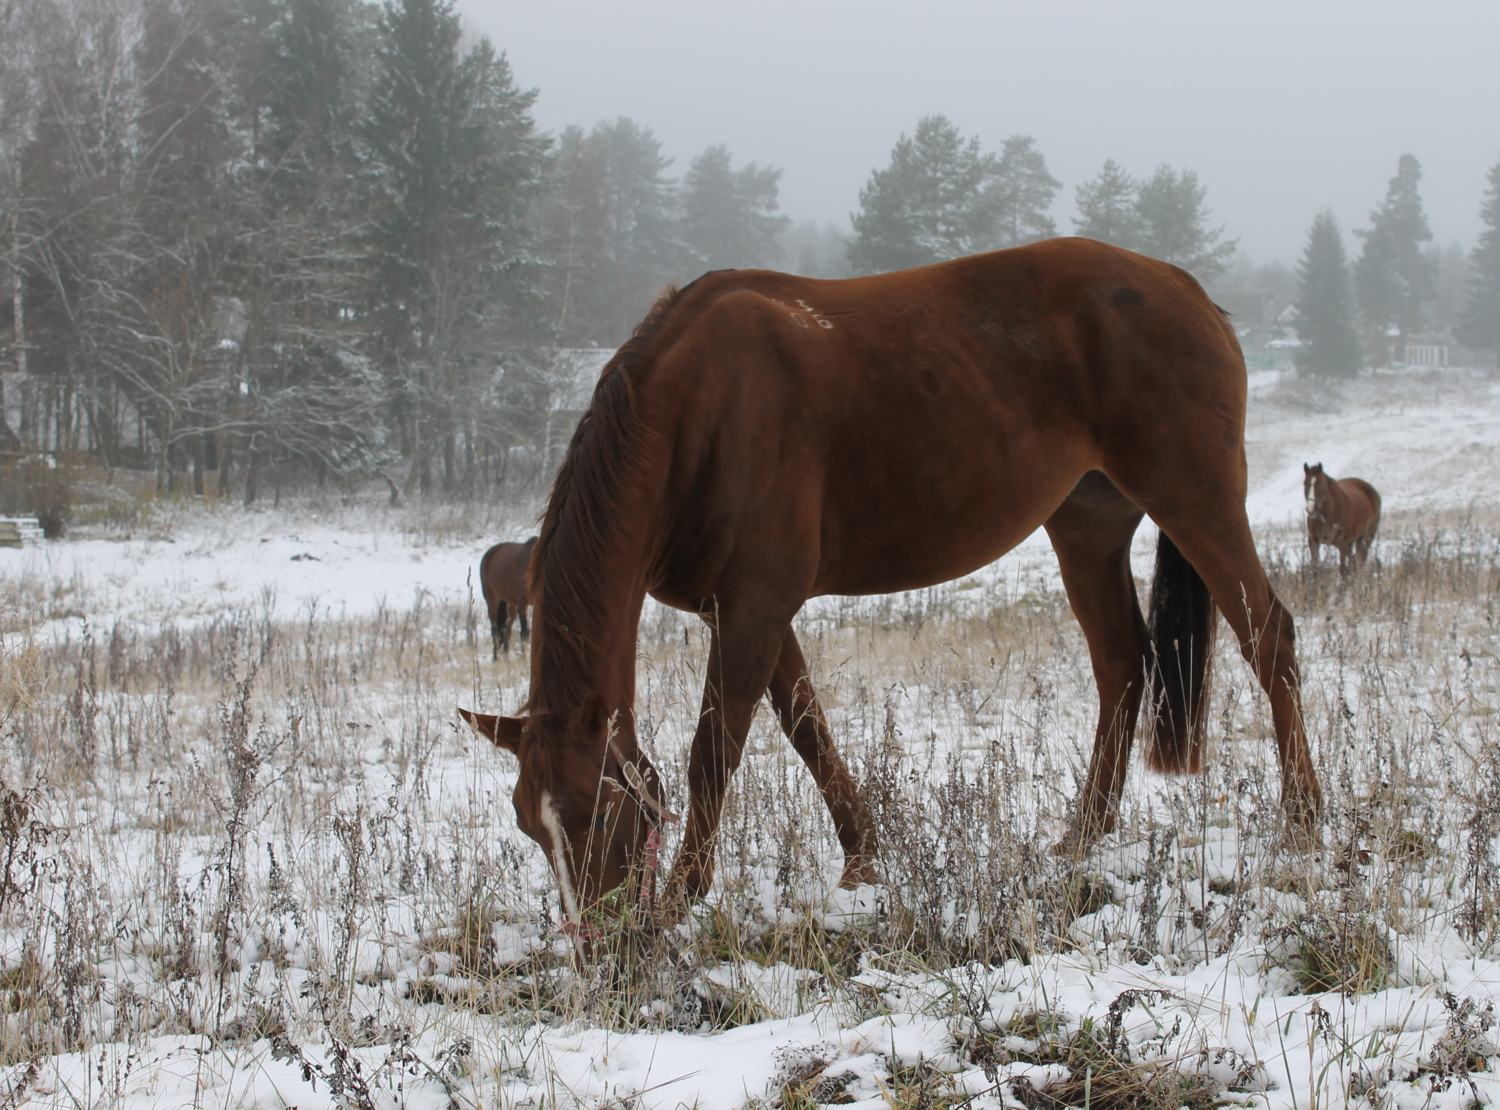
(19, 531)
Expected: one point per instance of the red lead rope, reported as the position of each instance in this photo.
(645, 897)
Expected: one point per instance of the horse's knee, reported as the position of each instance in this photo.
(1272, 648)
(711, 767)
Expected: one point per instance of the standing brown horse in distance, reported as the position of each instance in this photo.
(1342, 512)
(502, 580)
(763, 439)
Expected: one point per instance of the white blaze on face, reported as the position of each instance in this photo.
(553, 824)
(1312, 504)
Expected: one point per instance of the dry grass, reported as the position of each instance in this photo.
(260, 827)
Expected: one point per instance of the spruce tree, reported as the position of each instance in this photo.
(928, 205)
(611, 226)
(1107, 209)
(455, 166)
(729, 216)
(305, 391)
(1176, 224)
(1479, 324)
(1392, 278)
(1325, 304)
(1021, 191)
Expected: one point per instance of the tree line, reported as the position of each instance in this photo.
(943, 196)
(249, 238)
(246, 235)
(1350, 313)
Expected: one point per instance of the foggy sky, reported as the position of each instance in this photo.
(1281, 107)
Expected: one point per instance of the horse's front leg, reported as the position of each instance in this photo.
(796, 705)
(741, 656)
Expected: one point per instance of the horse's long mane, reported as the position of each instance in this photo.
(603, 457)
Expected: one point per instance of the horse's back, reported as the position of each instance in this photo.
(931, 419)
(1370, 493)
(1071, 331)
(502, 571)
(1371, 497)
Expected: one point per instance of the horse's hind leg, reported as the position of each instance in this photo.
(496, 609)
(802, 720)
(521, 612)
(1214, 535)
(502, 626)
(1091, 533)
(1362, 548)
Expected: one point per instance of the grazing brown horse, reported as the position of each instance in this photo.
(763, 439)
(1344, 513)
(502, 580)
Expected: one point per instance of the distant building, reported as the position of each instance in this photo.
(575, 372)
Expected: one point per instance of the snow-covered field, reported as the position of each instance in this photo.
(249, 860)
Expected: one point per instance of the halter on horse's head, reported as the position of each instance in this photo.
(590, 799)
(1315, 490)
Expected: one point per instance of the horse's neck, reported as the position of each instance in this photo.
(587, 645)
(1335, 501)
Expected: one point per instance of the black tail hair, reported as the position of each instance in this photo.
(1182, 625)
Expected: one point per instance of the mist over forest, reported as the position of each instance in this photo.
(247, 243)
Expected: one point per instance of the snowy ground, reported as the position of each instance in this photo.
(266, 870)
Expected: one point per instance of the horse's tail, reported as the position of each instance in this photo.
(1182, 624)
(1374, 496)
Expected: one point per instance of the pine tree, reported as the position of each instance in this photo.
(928, 205)
(1176, 224)
(455, 166)
(1479, 325)
(1392, 278)
(1021, 191)
(729, 216)
(307, 392)
(302, 96)
(1107, 209)
(1325, 304)
(610, 224)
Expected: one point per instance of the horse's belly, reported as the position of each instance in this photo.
(938, 538)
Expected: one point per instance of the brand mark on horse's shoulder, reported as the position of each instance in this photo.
(818, 318)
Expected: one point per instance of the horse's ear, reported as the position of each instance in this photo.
(504, 732)
(1306, 469)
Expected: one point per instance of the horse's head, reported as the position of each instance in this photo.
(1314, 489)
(591, 799)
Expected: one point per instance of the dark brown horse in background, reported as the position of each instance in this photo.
(763, 439)
(1344, 513)
(502, 580)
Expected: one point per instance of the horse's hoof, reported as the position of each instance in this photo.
(1300, 837)
(1076, 843)
(857, 873)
